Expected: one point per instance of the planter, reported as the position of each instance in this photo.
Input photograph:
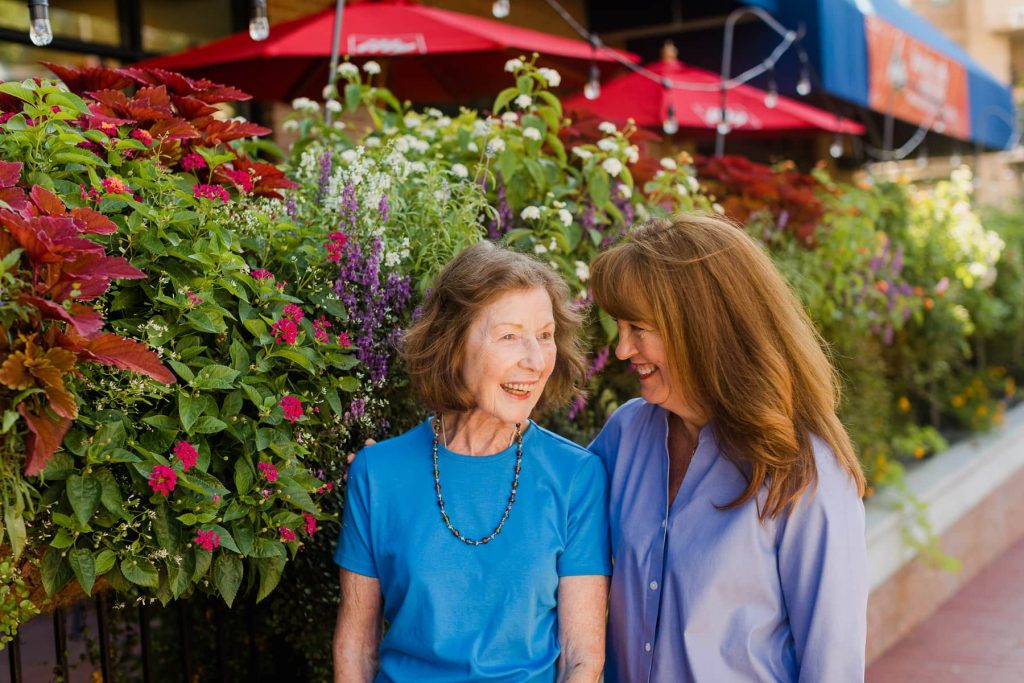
(972, 494)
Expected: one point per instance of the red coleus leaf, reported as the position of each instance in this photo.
(173, 129)
(100, 118)
(93, 222)
(127, 354)
(44, 438)
(47, 202)
(47, 239)
(222, 93)
(87, 321)
(224, 131)
(267, 177)
(14, 197)
(115, 102)
(10, 172)
(190, 108)
(80, 81)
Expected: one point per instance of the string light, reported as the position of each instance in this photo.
(956, 159)
(835, 150)
(259, 23)
(723, 128)
(670, 125)
(501, 8)
(771, 98)
(803, 86)
(922, 157)
(39, 30)
(592, 90)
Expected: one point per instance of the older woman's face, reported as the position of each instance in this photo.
(510, 354)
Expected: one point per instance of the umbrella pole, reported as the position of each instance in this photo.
(332, 75)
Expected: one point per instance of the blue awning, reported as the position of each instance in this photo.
(837, 44)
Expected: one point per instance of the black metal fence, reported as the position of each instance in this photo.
(95, 641)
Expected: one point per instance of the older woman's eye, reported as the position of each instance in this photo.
(546, 336)
(508, 337)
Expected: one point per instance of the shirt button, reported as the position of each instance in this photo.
(647, 647)
(664, 524)
(654, 585)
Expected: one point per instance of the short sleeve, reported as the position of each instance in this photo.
(606, 444)
(587, 549)
(823, 570)
(355, 542)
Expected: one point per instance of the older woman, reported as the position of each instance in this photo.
(735, 495)
(478, 536)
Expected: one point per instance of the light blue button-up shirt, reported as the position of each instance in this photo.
(710, 595)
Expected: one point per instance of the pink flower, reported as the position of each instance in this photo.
(285, 330)
(163, 480)
(343, 340)
(262, 274)
(207, 540)
(310, 523)
(292, 408)
(216, 498)
(7, 116)
(294, 312)
(186, 454)
(193, 298)
(335, 245)
(192, 161)
(114, 185)
(108, 128)
(320, 326)
(268, 471)
(287, 535)
(240, 178)
(204, 191)
(143, 136)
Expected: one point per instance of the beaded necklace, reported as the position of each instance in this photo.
(438, 425)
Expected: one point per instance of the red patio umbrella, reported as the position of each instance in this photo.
(648, 103)
(427, 54)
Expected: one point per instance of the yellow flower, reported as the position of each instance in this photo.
(919, 452)
(904, 404)
(957, 401)
(1010, 388)
(982, 410)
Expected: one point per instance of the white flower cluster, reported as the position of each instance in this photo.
(304, 104)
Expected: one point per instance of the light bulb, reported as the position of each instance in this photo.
(940, 126)
(956, 159)
(771, 98)
(501, 8)
(803, 86)
(592, 90)
(835, 150)
(922, 159)
(670, 125)
(723, 128)
(259, 28)
(259, 24)
(39, 30)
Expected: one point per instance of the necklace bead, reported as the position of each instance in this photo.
(437, 426)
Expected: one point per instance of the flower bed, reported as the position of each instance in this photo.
(272, 296)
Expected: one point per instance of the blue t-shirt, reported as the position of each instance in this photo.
(482, 613)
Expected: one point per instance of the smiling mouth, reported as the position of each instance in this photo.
(645, 371)
(518, 390)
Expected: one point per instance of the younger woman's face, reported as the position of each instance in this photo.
(645, 349)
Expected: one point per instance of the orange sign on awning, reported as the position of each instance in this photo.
(915, 82)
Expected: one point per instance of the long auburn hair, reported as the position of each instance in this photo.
(740, 342)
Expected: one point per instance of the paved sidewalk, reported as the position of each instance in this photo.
(977, 636)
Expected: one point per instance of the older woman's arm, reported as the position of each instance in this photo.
(582, 613)
(357, 631)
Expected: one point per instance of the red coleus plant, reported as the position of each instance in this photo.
(745, 188)
(58, 271)
(173, 115)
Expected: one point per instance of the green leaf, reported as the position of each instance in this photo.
(203, 560)
(140, 572)
(215, 377)
(14, 522)
(189, 410)
(239, 356)
(84, 495)
(162, 422)
(179, 577)
(244, 536)
(84, 567)
(183, 371)
(244, 476)
(55, 570)
(265, 547)
(111, 434)
(110, 494)
(208, 425)
(232, 405)
(168, 533)
(188, 519)
(295, 357)
(104, 561)
(270, 570)
(227, 575)
(18, 90)
(205, 322)
(63, 539)
(349, 384)
(226, 540)
(503, 98)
